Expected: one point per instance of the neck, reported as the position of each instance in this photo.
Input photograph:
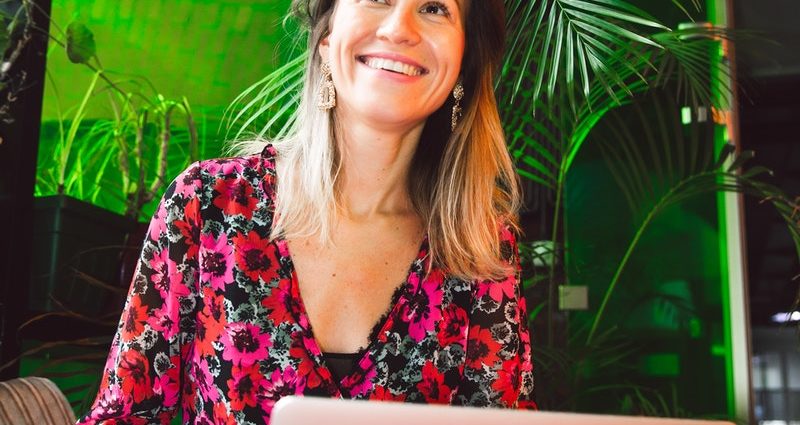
(375, 166)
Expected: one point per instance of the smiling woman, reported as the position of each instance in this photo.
(371, 254)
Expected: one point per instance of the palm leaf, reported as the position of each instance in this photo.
(632, 162)
(571, 41)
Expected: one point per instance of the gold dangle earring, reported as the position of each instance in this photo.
(327, 92)
(458, 94)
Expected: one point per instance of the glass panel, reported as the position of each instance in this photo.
(793, 370)
(794, 404)
(758, 372)
(772, 404)
(772, 378)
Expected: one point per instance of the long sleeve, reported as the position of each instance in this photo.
(498, 370)
(143, 375)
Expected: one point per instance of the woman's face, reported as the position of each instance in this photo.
(394, 62)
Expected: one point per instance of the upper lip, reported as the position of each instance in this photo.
(395, 57)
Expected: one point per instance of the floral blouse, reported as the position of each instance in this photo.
(214, 320)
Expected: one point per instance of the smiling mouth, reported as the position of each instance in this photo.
(392, 66)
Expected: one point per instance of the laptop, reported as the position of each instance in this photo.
(294, 410)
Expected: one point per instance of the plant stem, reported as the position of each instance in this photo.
(555, 254)
(621, 267)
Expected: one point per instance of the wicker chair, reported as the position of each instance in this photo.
(33, 401)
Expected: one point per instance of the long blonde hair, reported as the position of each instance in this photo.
(462, 183)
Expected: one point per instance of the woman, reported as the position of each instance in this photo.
(397, 200)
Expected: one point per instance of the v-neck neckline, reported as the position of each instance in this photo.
(402, 293)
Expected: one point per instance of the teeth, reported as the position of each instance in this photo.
(390, 65)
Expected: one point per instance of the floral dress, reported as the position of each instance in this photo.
(214, 321)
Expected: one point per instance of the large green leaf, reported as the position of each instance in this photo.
(81, 46)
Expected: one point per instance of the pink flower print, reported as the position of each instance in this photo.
(112, 402)
(165, 319)
(497, 289)
(244, 344)
(188, 182)
(216, 261)
(424, 309)
(281, 384)
(158, 224)
(360, 383)
(167, 386)
(225, 167)
(166, 277)
(205, 381)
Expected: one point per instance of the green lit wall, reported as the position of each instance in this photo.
(206, 50)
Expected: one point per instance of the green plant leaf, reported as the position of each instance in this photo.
(80, 43)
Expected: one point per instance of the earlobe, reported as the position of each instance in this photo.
(323, 49)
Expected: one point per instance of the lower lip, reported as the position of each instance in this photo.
(394, 76)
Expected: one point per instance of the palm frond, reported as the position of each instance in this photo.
(275, 96)
(652, 181)
(571, 41)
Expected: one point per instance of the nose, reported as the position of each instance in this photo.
(400, 27)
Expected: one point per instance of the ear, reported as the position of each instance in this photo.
(324, 49)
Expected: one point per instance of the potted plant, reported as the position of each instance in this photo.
(97, 178)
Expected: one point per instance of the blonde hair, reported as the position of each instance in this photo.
(462, 183)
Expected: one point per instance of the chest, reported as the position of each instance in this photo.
(348, 285)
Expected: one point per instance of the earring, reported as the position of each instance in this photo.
(458, 94)
(327, 93)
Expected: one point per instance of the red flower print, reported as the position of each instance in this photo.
(507, 383)
(424, 310)
(244, 386)
(280, 304)
(251, 256)
(481, 348)
(244, 344)
(453, 327)
(216, 261)
(213, 305)
(383, 394)
(222, 416)
(432, 385)
(133, 319)
(207, 331)
(235, 197)
(190, 227)
(305, 367)
(134, 371)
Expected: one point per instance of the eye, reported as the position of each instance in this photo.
(379, 1)
(435, 8)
